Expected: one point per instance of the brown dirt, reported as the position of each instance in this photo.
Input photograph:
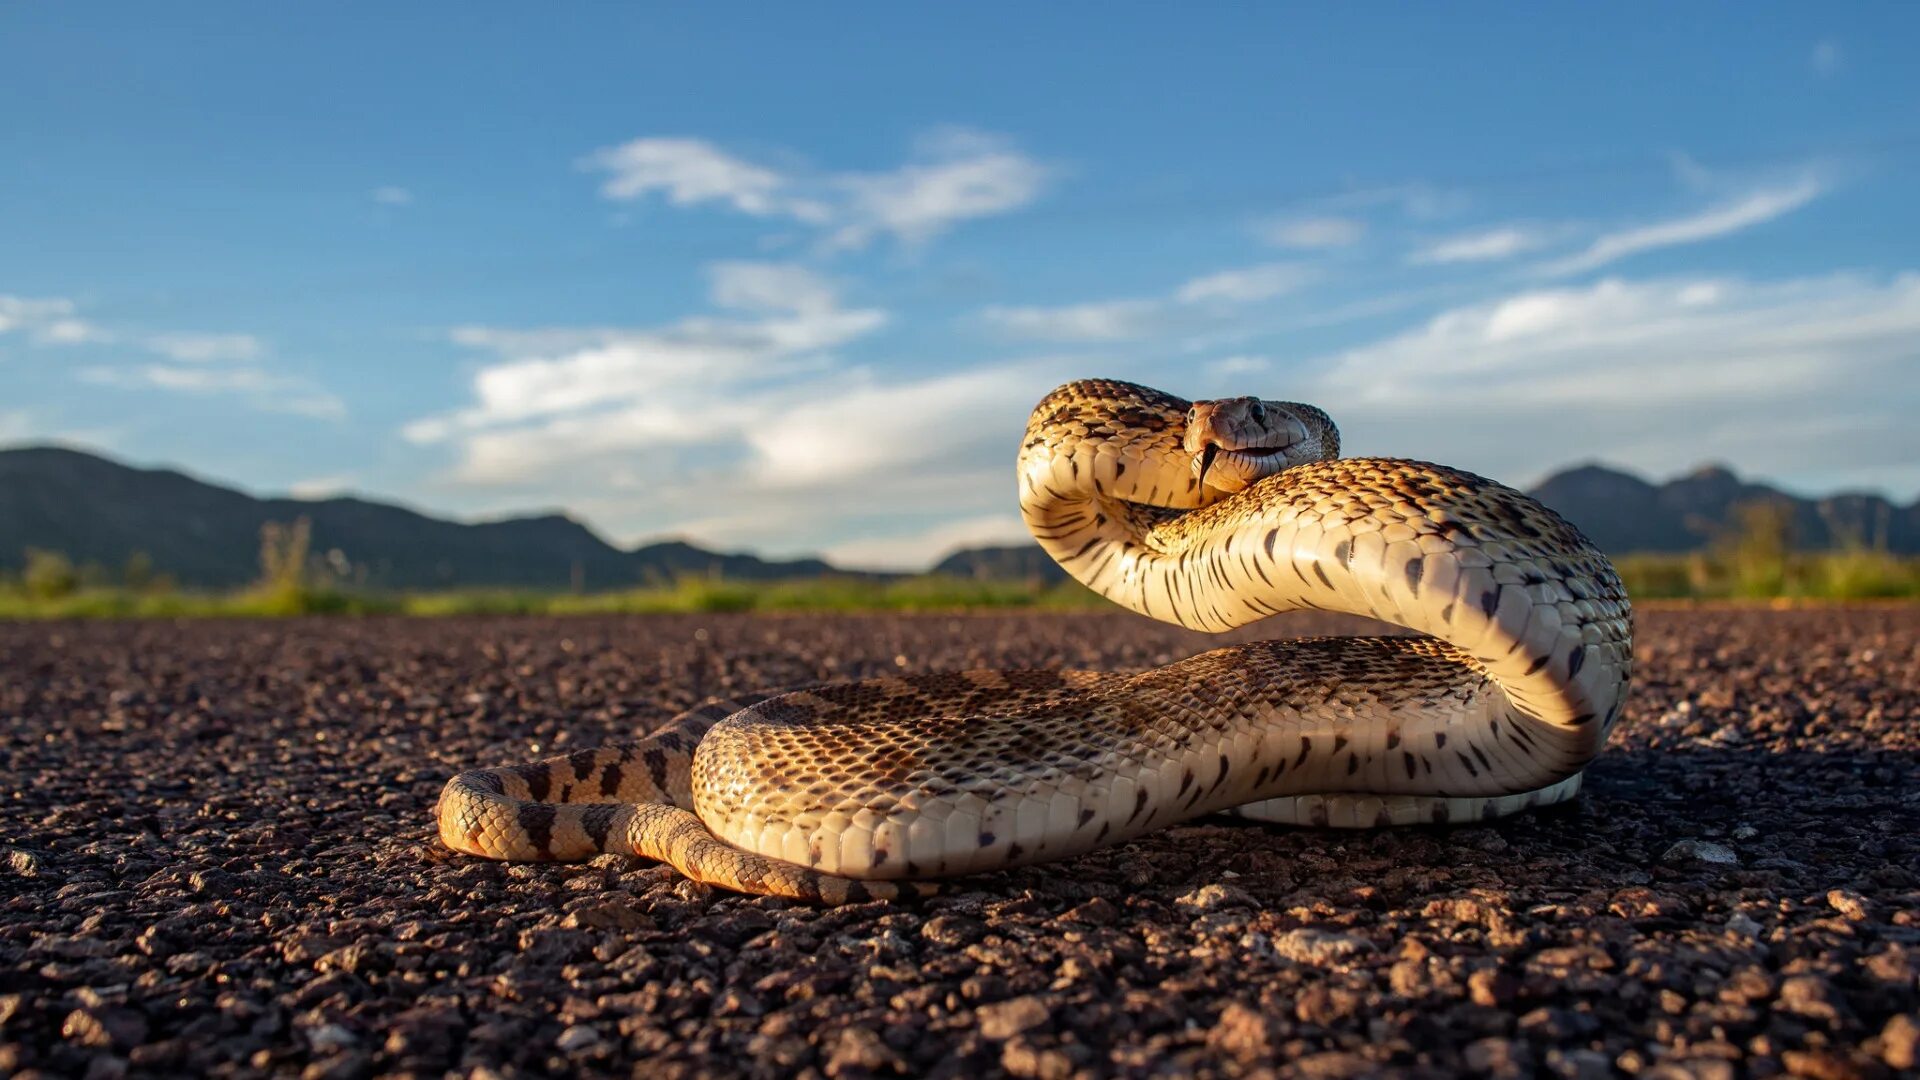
(218, 859)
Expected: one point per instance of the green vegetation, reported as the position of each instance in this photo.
(1755, 561)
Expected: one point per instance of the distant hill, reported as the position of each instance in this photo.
(1623, 513)
(1016, 562)
(203, 535)
(1619, 511)
(99, 511)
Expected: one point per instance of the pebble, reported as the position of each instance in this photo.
(1319, 947)
(1701, 851)
(1006, 1019)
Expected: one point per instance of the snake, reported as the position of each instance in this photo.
(1509, 669)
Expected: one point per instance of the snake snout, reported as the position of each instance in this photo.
(1236, 441)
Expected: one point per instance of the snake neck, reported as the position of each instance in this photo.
(1514, 589)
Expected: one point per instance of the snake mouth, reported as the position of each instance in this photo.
(1257, 453)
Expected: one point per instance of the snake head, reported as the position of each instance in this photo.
(1237, 441)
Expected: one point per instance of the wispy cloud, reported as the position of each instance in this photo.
(1682, 370)
(262, 390)
(954, 175)
(1109, 320)
(1209, 296)
(1756, 208)
(320, 487)
(1230, 366)
(392, 196)
(206, 348)
(1245, 285)
(1313, 232)
(694, 171)
(201, 363)
(1485, 246)
(47, 321)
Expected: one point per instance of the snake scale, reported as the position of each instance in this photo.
(1209, 514)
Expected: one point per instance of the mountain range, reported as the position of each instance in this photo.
(96, 510)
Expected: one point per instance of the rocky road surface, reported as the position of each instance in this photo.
(216, 858)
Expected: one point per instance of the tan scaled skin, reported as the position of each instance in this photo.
(1207, 514)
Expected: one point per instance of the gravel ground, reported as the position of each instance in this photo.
(218, 859)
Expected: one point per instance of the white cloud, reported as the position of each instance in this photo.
(262, 390)
(770, 287)
(1111, 320)
(1245, 285)
(1827, 57)
(954, 176)
(1656, 375)
(918, 550)
(694, 171)
(1229, 366)
(1756, 208)
(1208, 297)
(206, 348)
(635, 374)
(1314, 232)
(47, 321)
(566, 393)
(969, 176)
(1500, 243)
(22, 313)
(392, 196)
(316, 488)
(739, 431)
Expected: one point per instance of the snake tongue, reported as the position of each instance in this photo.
(1206, 461)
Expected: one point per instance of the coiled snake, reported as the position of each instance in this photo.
(1208, 514)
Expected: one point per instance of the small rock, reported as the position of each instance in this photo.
(953, 931)
(327, 1038)
(1318, 947)
(1557, 1025)
(105, 1028)
(351, 1066)
(1739, 923)
(215, 883)
(1848, 903)
(1744, 832)
(861, 1050)
(577, 1039)
(1492, 988)
(1209, 898)
(1022, 1057)
(1821, 1065)
(307, 948)
(1095, 912)
(1701, 851)
(23, 863)
(1334, 1065)
(1006, 1019)
(1900, 1041)
(1810, 996)
(1580, 1064)
(1495, 1057)
(1245, 1032)
(609, 916)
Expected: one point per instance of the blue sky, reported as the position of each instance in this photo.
(788, 280)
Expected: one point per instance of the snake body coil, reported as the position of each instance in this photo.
(1211, 515)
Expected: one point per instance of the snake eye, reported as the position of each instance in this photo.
(1259, 413)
